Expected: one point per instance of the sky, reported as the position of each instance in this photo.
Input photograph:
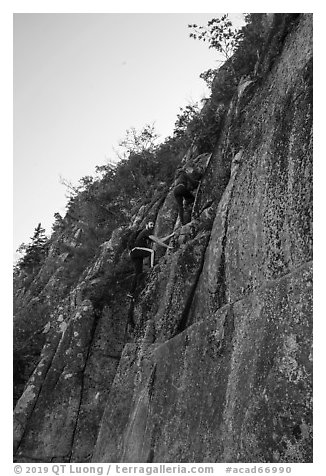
(80, 80)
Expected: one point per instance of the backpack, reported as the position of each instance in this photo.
(189, 180)
(181, 178)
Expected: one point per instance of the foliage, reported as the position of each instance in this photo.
(221, 36)
(251, 43)
(219, 33)
(240, 50)
(186, 116)
(208, 76)
(34, 252)
(199, 125)
(146, 163)
(58, 223)
(139, 142)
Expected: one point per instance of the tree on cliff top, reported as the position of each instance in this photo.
(221, 36)
(138, 142)
(34, 252)
(240, 49)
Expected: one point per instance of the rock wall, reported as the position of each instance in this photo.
(220, 353)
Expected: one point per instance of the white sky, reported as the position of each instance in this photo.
(81, 80)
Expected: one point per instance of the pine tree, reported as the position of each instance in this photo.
(35, 251)
(58, 224)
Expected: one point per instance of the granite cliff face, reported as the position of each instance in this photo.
(218, 364)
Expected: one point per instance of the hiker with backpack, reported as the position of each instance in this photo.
(187, 181)
(140, 249)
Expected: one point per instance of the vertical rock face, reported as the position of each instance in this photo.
(218, 365)
(234, 387)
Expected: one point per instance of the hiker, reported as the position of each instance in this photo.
(187, 180)
(141, 249)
